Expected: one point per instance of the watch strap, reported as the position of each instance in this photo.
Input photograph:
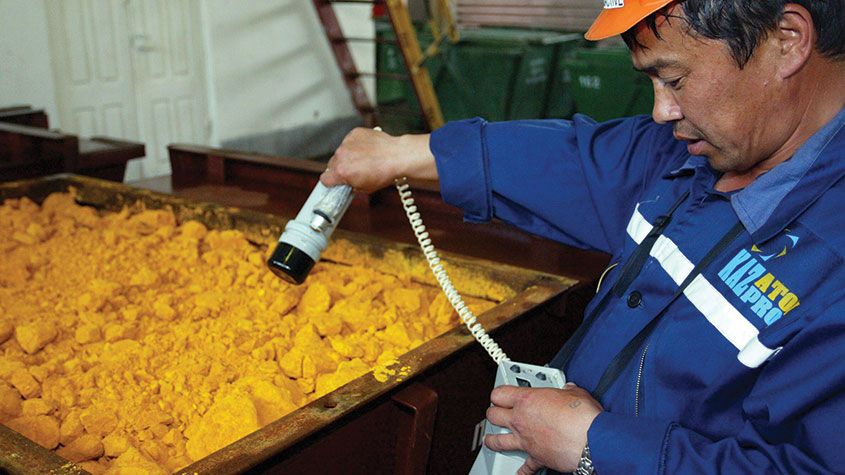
(585, 464)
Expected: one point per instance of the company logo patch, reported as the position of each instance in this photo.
(777, 247)
(608, 4)
(767, 296)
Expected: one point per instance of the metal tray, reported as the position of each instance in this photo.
(422, 420)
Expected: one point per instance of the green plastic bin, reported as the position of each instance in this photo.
(494, 73)
(389, 60)
(604, 84)
(499, 74)
(561, 103)
(396, 97)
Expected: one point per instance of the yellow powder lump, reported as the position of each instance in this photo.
(130, 343)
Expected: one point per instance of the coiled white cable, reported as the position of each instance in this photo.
(442, 277)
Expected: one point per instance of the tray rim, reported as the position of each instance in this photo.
(319, 414)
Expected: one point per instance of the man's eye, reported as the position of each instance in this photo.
(672, 83)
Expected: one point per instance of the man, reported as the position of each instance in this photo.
(717, 345)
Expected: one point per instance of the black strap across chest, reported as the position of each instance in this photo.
(626, 354)
(631, 269)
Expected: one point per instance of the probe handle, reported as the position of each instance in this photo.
(333, 202)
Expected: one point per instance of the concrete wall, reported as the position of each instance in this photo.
(268, 64)
(26, 76)
(272, 68)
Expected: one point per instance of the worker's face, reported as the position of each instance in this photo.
(728, 114)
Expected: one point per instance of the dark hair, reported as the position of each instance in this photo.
(743, 24)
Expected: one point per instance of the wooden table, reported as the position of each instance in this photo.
(28, 152)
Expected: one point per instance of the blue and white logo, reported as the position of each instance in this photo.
(776, 247)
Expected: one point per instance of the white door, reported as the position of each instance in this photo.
(131, 69)
(167, 54)
(91, 63)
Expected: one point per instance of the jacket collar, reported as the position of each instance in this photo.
(689, 167)
(776, 198)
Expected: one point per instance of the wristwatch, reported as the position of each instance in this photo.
(585, 465)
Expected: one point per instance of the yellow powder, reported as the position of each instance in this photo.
(383, 371)
(135, 344)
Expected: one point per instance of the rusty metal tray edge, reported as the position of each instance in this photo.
(20, 455)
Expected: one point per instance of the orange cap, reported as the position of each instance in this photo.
(618, 16)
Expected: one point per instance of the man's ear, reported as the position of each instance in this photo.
(795, 35)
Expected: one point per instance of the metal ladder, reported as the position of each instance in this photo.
(409, 46)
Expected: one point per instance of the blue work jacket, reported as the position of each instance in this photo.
(745, 371)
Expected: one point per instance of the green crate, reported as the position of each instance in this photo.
(604, 84)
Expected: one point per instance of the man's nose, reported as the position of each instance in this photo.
(666, 108)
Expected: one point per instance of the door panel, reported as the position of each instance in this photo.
(131, 69)
(168, 75)
(93, 80)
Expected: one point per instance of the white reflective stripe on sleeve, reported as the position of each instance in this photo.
(638, 227)
(756, 353)
(724, 317)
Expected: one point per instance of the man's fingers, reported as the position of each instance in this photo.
(340, 171)
(530, 467)
(329, 178)
(506, 396)
(502, 442)
(499, 416)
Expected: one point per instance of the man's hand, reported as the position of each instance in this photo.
(370, 160)
(549, 424)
